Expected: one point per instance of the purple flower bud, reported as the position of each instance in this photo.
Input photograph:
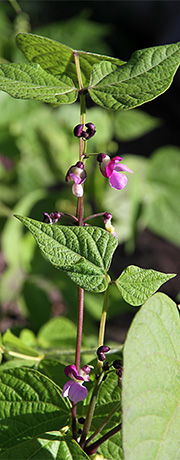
(101, 352)
(81, 420)
(78, 130)
(76, 173)
(55, 216)
(119, 373)
(85, 133)
(106, 366)
(117, 364)
(47, 219)
(91, 130)
(106, 217)
(102, 157)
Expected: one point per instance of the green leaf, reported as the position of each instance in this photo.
(151, 383)
(162, 203)
(147, 74)
(49, 446)
(59, 332)
(112, 449)
(30, 81)
(58, 59)
(109, 398)
(137, 284)
(13, 343)
(133, 124)
(30, 405)
(84, 253)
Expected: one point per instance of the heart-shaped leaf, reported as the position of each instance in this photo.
(84, 253)
(147, 74)
(58, 59)
(137, 284)
(151, 383)
(30, 81)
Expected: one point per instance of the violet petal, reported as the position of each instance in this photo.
(117, 180)
(77, 392)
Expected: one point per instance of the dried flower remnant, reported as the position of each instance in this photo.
(107, 216)
(111, 169)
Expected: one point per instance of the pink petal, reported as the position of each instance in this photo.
(71, 370)
(66, 388)
(122, 167)
(77, 392)
(117, 180)
(77, 190)
(110, 168)
(75, 178)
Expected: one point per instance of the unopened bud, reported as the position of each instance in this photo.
(101, 352)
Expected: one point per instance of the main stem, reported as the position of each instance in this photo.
(79, 215)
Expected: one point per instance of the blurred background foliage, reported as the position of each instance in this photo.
(36, 149)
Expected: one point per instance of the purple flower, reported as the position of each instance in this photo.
(74, 388)
(78, 174)
(110, 168)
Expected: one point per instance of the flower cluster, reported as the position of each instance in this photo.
(74, 387)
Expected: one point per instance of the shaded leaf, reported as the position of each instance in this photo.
(162, 203)
(137, 284)
(50, 446)
(30, 81)
(147, 74)
(151, 383)
(133, 124)
(84, 253)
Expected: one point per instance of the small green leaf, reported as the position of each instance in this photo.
(147, 74)
(84, 253)
(30, 81)
(13, 343)
(151, 383)
(137, 284)
(30, 405)
(58, 59)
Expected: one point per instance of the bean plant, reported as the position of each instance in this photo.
(123, 403)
